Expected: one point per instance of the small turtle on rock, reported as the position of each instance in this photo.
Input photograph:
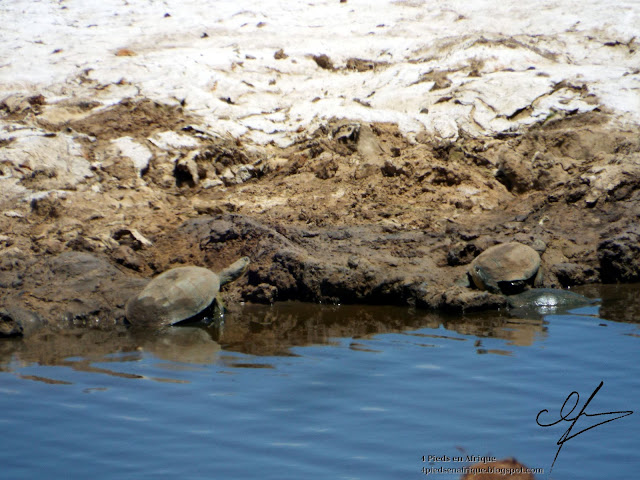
(180, 294)
(506, 268)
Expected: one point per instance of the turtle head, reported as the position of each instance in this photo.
(478, 277)
(482, 280)
(234, 271)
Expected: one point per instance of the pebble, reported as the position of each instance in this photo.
(13, 214)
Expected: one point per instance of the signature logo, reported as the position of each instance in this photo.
(566, 418)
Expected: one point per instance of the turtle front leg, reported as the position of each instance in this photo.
(215, 313)
(218, 308)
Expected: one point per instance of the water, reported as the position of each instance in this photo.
(297, 391)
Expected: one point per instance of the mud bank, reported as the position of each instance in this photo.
(352, 212)
(357, 152)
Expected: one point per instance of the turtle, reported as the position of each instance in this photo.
(180, 294)
(549, 299)
(506, 268)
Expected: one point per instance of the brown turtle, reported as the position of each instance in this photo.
(180, 294)
(506, 268)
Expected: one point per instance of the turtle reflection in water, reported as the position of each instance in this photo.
(181, 294)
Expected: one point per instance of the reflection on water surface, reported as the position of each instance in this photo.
(257, 330)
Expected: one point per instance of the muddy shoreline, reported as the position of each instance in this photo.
(352, 212)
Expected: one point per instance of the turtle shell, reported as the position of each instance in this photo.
(505, 268)
(174, 296)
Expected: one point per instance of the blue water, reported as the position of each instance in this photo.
(350, 408)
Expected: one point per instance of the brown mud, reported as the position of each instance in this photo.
(350, 213)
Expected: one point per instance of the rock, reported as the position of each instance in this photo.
(126, 257)
(346, 133)
(16, 321)
(237, 174)
(18, 103)
(369, 147)
(462, 254)
(211, 182)
(514, 172)
(10, 279)
(50, 205)
(81, 243)
(547, 171)
(325, 166)
(132, 238)
(323, 61)
(8, 325)
(186, 171)
(359, 138)
(459, 299)
(521, 174)
(620, 257)
(51, 246)
(506, 268)
(73, 288)
(318, 266)
(13, 214)
(612, 182)
(264, 293)
(569, 274)
(280, 55)
(539, 246)
(204, 207)
(395, 168)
